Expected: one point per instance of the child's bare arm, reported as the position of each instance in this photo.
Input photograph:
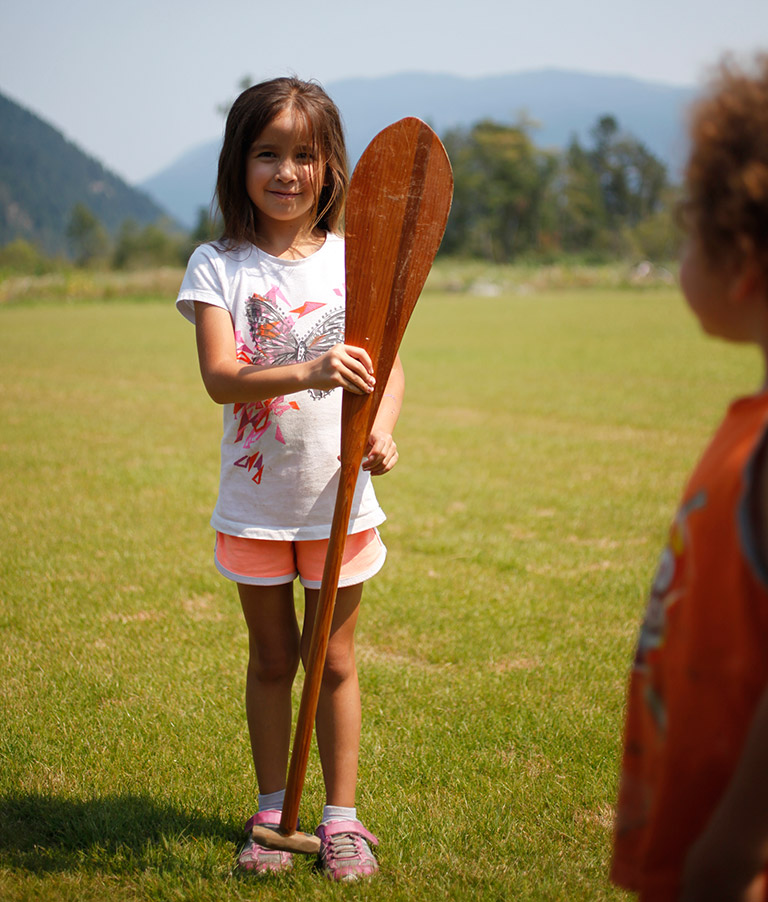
(725, 863)
(381, 451)
(229, 381)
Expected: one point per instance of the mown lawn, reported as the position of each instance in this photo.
(544, 442)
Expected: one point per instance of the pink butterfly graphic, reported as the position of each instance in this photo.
(276, 341)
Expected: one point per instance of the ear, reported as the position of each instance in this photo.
(748, 281)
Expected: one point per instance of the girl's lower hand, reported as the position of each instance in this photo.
(381, 453)
(344, 366)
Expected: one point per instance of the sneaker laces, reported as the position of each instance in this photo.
(343, 846)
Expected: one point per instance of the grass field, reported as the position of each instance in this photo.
(544, 442)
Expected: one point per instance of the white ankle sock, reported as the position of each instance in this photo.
(271, 800)
(338, 813)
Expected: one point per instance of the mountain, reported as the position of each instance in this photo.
(560, 103)
(187, 184)
(43, 176)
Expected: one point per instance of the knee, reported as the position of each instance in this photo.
(339, 667)
(273, 665)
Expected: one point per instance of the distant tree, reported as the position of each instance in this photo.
(604, 194)
(501, 182)
(658, 237)
(87, 237)
(578, 201)
(22, 256)
(632, 180)
(147, 247)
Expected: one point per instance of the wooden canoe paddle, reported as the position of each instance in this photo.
(397, 207)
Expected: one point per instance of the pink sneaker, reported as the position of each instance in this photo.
(344, 850)
(258, 859)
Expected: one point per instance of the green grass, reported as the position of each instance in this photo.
(543, 444)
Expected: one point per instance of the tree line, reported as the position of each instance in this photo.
(610, 198)
(607, 198)
(90, 245)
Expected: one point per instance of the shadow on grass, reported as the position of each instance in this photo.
(113, 834)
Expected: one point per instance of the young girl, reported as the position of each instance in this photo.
(267, 301)
(692, 819)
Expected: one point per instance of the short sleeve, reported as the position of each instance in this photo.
(203, 281)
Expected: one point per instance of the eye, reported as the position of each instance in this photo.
(261, 153)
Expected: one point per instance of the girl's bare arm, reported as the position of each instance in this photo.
(229, 381)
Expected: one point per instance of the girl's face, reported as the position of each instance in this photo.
(281, 175)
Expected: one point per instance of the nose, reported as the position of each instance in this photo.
(286, 170)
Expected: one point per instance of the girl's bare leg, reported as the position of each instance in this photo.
(338, 710)
(273, 645)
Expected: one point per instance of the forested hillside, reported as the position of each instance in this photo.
(44, 178)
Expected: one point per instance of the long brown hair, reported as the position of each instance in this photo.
(250, 114)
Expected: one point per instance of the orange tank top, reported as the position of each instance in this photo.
(701, 663)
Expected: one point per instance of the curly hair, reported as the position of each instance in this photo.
(250, 114)
(726, 179)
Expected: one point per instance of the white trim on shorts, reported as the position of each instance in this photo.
(254, 580)
(358, 578)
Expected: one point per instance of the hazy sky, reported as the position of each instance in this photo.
(137, 84)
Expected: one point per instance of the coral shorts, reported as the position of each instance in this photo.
(268, 562)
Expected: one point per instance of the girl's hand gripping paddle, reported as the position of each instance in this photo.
(397, 208)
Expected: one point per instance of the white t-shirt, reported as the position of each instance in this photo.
(279, 458)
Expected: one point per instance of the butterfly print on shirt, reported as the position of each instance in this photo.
(276, 342)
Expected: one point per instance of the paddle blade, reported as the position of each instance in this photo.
(397, 208)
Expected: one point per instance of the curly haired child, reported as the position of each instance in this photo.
(692, 816)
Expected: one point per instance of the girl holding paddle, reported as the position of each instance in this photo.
(267, 301)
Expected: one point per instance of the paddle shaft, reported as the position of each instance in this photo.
(355, 438)
(396, 216)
